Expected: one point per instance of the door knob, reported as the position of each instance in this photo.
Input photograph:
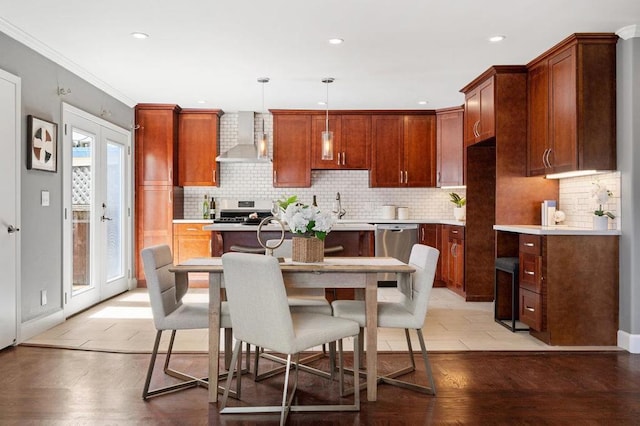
(12, 230)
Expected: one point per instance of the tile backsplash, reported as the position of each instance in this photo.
(254, 180)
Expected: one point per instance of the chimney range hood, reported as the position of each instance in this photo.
(245, 151)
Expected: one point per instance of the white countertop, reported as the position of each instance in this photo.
(371, 221)
(240, 227)
(192, 220)
(553, 230)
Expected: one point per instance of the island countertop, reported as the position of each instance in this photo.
(237, 227)
(553, 230)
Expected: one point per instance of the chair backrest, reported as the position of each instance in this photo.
(164, 295)
(284, 250)
(257, 300)
(417, 290)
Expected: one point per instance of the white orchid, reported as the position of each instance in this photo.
(601, 194)
(308, 220)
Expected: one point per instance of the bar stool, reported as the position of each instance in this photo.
(509, 265)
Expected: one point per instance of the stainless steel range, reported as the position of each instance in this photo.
(247, 211)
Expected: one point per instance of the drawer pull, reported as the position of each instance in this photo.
(192, 229)
(454, 232)
(529, 272)
(529, 308)
(529, 244)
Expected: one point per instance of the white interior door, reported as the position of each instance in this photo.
(97, 228)
(9, 206)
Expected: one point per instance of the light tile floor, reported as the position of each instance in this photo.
(124, 324)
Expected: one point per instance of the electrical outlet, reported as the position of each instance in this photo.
(43, 297)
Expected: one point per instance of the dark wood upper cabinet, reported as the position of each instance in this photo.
(403, 150)
(480, 112)
(199, 144)
(450, 147)
(291, 149)
(156, 144)
(352, 141)
(572, 106)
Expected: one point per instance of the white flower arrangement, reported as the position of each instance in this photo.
(305, 220)
(601, 194)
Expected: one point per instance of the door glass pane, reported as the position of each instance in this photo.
(115, 210)
(81, 203)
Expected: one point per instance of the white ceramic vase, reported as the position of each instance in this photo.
(600, 223)
(460, 213)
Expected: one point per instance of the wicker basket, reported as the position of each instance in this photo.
(307, 250)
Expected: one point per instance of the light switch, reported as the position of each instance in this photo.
(44, 198)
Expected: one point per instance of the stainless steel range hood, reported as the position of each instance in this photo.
(246, 150)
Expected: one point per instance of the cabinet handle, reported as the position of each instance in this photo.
(438, 177)
(529, 308)
(454, 232)
(529, 244)
(454, 250)
(275, 176)
(344, 158)
(401, 176)
(338, 159)
(422, 234)
(192, 229)
(548, 158)
(170, 175)
(529, 272)
(476, 132)
(213, 174)
(406, 177)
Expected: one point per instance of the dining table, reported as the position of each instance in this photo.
(360, 273)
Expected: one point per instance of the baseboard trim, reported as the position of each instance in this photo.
(629, 342)
(36, 326)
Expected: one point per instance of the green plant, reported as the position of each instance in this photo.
(457, 199)
(601, 194)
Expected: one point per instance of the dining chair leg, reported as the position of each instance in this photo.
(234, 358)
(260, 353)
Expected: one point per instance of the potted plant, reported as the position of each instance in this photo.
(460, 210)
(601, 194)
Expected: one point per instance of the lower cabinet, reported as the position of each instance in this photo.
(190, 240)
(455, 264)
(569, 288)
(431, 235)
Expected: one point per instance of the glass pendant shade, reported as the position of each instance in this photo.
(327, 145)
(263, 143)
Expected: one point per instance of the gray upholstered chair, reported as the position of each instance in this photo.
(171, 313)
(260, 316)
(409, 313)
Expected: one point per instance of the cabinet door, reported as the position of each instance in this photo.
(198, 145)
(156, 144)
(430, 236)
(458, 256)
(562, 110)
(449, 148)
(538, 118)
(471, 116)
(291, 151)
(318, 125)
(190, 240)
(444, 253)
(420, 151)
(487, 127)
(356, 142)
(154, 219)
(387, 157)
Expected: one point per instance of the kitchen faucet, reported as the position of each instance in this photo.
(337, 207)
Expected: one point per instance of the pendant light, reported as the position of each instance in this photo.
(327, 136)
(263, 138)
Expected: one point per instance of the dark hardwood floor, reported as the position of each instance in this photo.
(70, 387)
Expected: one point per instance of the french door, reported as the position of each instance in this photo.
(97, 216)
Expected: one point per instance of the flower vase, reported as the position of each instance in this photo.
(600, 223)
(460, 213)
(307, 250)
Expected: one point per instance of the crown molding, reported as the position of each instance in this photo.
(630, 31)
(51, 54)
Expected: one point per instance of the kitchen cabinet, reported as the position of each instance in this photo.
(430, 235)
(199, 144)
(190, 240)
(403, 150)
(572, 106)
(455, 265)
(291, 149)
(450, 147)
(352, 141)
(569, 288)
(479, 112)
(156, 144)
(158, 201)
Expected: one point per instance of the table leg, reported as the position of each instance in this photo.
(214, 334)
(371, 309)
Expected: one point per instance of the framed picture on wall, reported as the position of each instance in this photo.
(42, 144)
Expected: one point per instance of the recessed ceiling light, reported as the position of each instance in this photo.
(422, 102)
(202, 101)
(139, 35)
(496, 38)
(336, 41)
(322, 103)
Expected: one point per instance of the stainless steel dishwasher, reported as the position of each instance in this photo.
(395, 240)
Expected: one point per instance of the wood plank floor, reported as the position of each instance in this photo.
(71, 387)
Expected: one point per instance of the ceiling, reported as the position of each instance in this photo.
(394, 54)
